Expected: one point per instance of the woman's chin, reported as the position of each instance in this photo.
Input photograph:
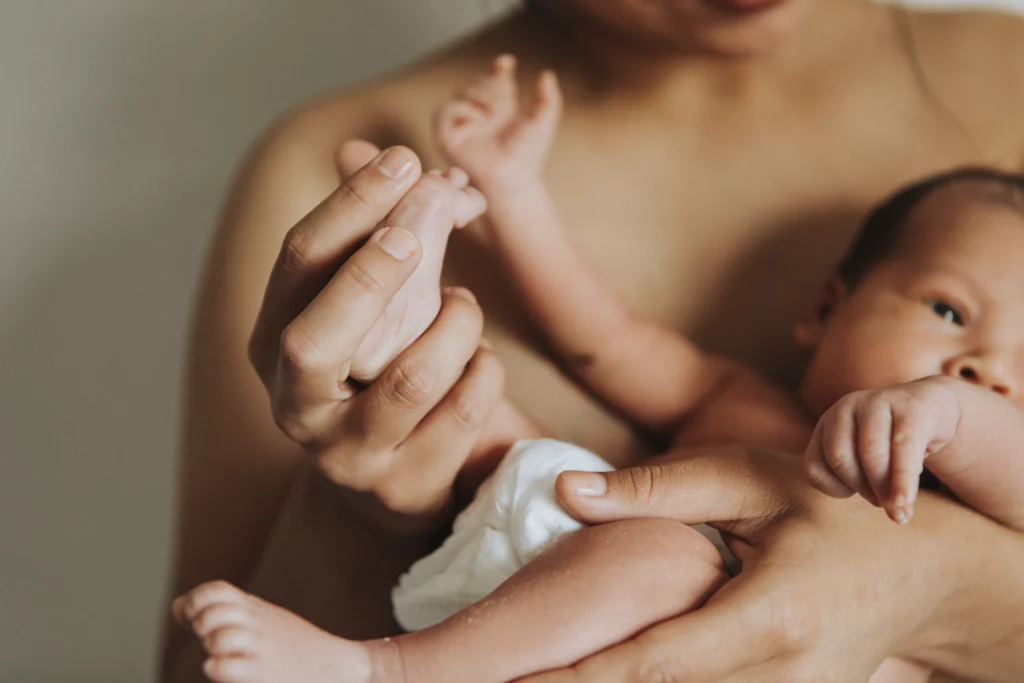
(746, 28)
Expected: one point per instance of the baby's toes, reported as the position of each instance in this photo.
(468, 205)
(188, 606)
(231, 641)
(219, 616)
(457, 177)
(234, 669)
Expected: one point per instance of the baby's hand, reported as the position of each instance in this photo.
(875, 442)
(483, 130)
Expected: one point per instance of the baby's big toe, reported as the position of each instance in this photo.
(220, 616)
(230, 640)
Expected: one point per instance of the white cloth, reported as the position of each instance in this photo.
(512, 520)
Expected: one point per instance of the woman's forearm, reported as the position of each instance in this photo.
(977, 632)
(325, 563)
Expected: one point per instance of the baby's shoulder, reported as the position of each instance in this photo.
(749, 409)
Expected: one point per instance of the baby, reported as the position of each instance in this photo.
(916, 357)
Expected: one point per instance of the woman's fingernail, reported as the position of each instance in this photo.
(903, 511)
(395, 163)
(397, 243)
(586, 483)
(460, 291)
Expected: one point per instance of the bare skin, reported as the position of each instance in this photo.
(249, 640)
(435, 205)
(683, 133)
(958, 247)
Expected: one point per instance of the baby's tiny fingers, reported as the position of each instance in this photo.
(839, 442)
(817, 471)
(874, 439)
(909, 448)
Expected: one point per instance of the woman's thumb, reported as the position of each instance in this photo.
(709, 487)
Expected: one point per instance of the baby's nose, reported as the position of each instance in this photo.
(985, 371)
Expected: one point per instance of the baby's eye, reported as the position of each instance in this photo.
(946, 312)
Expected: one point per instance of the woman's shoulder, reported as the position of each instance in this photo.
(974, 63)
(975, 41)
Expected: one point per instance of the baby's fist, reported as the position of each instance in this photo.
(484, 130)
(875, 442)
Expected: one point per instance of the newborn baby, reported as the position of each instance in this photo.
(916, 355)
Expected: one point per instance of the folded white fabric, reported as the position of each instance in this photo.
(513, 519)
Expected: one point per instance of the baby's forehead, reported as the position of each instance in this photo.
(963, 209)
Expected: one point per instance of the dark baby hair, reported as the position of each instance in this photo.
(881, 229)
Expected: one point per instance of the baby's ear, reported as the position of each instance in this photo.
(808, 332)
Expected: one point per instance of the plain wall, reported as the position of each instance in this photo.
(120, 124)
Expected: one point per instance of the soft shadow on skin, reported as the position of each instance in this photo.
(770, 289)
(767, 286)
(130, 122)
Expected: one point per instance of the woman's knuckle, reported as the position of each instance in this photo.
(351, 193)
(409, 385)
(291, 423)
(296, 251)
(364, 278)
(469, 410)
(299, 351)
(642, 483)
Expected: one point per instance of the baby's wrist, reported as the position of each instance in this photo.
(502, 189)
(506, 181)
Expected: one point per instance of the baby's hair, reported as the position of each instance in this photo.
(881, 230)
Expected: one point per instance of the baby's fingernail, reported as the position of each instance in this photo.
(395, 163)
(397, 242)
(586, 483)
(460, 291)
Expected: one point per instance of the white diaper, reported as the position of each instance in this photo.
(513, 519)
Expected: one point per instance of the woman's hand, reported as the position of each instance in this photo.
(829, 588)
(401, 440)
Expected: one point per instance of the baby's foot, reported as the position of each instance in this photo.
(248, 640)
(484, 130)
(436, 204)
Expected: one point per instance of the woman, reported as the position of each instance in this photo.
(736, 140)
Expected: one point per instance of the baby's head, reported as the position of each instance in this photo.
(933, 284)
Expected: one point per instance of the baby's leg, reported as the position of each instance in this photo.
(435, 205)
(895, 670)
(591, 590)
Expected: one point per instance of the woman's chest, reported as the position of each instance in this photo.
(725, 234)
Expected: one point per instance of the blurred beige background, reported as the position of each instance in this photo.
(120, 123)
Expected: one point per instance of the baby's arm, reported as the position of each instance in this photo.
(876, 443)
(650, 373)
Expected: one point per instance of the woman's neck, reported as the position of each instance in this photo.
(600, 64)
